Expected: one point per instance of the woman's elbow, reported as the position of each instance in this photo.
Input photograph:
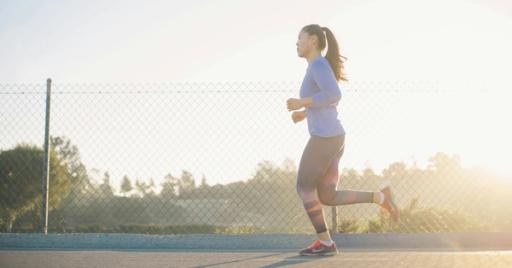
(336, 96)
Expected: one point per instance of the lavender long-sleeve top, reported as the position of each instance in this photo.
(320, 83)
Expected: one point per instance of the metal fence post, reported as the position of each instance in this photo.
(45, 185)
(334, 219)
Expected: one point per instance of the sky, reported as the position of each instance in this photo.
(460, 47)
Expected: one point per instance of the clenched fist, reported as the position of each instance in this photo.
(298, 116)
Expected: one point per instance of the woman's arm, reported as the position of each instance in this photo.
(329, 89)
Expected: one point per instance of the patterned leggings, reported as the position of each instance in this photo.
(317, 179)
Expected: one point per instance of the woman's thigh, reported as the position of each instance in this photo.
(318, 155)
(331, 177)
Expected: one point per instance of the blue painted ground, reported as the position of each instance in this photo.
(254, 242)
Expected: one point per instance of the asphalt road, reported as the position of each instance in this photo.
(346, 258)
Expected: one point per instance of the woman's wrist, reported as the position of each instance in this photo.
(306, 101)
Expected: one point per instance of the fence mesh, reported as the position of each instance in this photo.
(222, 157)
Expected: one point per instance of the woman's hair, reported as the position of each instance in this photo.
(333, 52)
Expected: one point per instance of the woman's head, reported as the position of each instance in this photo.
(313, 39)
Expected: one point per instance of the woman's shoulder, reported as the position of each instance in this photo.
(319, 62)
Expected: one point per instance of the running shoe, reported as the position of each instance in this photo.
(389, 201)
(318, 249)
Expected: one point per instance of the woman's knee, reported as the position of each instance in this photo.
(306, 193)
(326, 198)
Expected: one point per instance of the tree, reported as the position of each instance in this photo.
(21, 170)
(203, 184)
(266, 171)
(106, 188)
(70, 157)
(369, 174)
(126, 185)
(396, 170)
(169, 186)
(187, 185)
(288, 165)
(443, 162)
(143, 188)
(350, 174)
(151, 187)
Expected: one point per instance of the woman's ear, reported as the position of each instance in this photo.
(313, 40)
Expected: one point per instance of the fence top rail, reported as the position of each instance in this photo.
(419, 86)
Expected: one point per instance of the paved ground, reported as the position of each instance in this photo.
(346, 258)
(381, 250)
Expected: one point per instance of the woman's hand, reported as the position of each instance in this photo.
(295, 104)
(298, 116)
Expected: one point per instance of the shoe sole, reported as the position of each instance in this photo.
(319, 254)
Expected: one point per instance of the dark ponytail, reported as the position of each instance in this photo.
(333, 52)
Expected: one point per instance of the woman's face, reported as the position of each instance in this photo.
(305, 43)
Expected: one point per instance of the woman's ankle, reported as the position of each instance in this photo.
(324, 236)
(378, 197)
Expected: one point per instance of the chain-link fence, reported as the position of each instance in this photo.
(222, 157)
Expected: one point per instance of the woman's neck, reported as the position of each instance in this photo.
(313, 56)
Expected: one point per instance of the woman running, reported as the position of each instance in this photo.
(317, 176)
